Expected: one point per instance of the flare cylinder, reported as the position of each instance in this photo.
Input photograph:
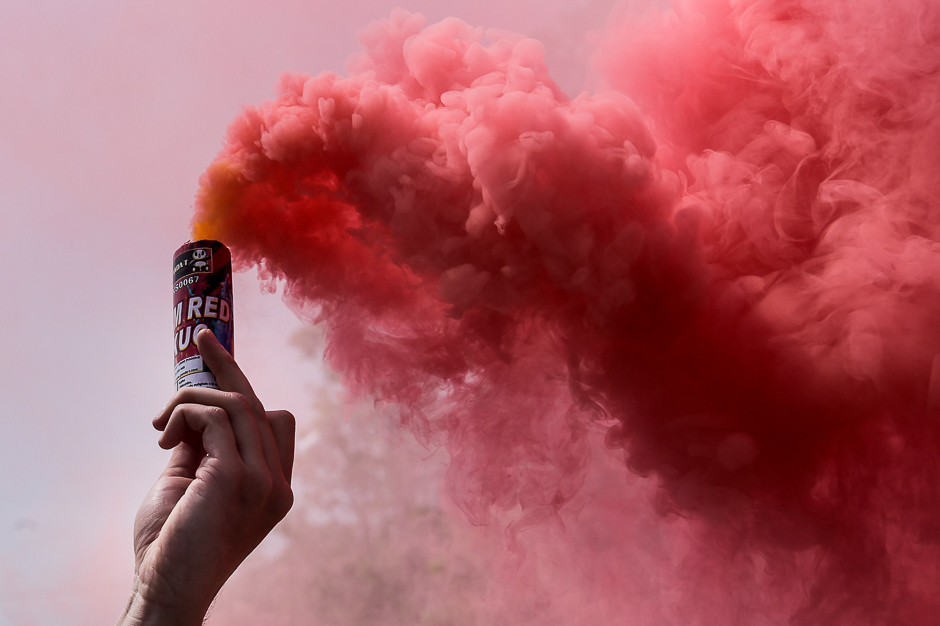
(202, 298)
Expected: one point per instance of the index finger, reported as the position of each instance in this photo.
(224, 368)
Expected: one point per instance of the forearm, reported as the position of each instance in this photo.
(140, 611)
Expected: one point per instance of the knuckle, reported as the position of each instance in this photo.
(187, 395)
(280, 509)
(286, 417)
(179, 412)
(279, 502)
(283, 421)
(240, 402)
(283, 500)
(179, 397)
(216, 415)
(232, 475)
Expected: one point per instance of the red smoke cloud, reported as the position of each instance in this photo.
(730, 259)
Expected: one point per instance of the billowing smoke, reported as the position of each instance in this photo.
(729, 260)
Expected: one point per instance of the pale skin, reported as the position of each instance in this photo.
(226, 486)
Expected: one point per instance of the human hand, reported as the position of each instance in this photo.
(226, 486)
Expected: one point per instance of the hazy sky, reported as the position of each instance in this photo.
(109, 112)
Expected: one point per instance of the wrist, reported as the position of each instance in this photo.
(143, 611)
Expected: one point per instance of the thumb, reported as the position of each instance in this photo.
(226, 371)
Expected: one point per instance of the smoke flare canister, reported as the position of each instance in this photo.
(202, 298)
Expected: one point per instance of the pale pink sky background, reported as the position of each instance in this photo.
(109, 111)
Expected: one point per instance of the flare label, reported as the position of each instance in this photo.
(202, 298)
